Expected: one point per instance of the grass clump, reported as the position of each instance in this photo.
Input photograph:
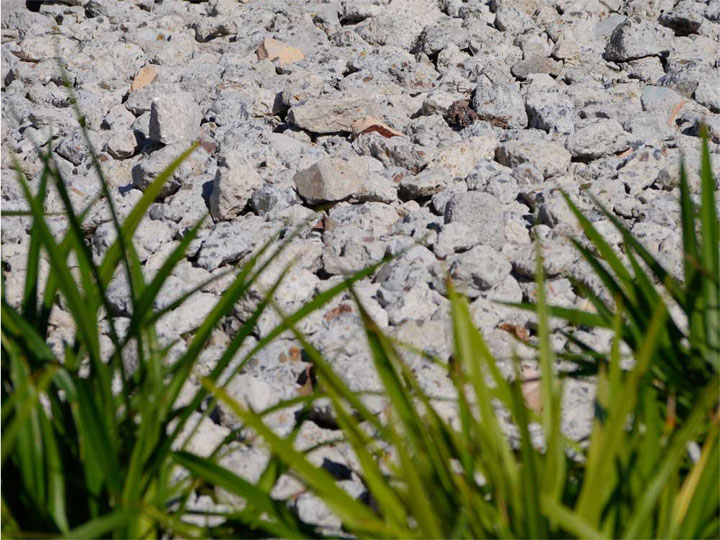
(428, 477)
(87, 442)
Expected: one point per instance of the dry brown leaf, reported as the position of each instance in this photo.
(516, 330)
(335, 312)
(370, 125)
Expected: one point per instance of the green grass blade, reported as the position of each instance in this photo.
(574, 316)
(30, 295)
(569, 520)
(710, 228)
(529, 474)
(56, 477)
(100, 527)
(599, 476)
(96, 436)
(702, 510)
(115, 252)
(223, 478)
(672, 460)
(76, 303)
(687, 222)
(604, 249)
(694, 488)
(355, 514)
(661, 274)
(553, 470)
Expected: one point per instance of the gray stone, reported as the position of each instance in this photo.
(529, 66)
(148, 168)
(660, 98)
(551, 112)
(331, 179)
(174, 118)
(122, 144)
(480, 211)
(634, 38)
(269, 197)
(685, 18)
(333, 114)
(348, 249)
(549, 157)
(397, 151)
(235, 181)
(425, 184)
(683, 77)
(229, 242)
(454, 238)
(594, 138)
(74, 146)
(478, 270)
(229, 109)
(708, 91)
(499, 102)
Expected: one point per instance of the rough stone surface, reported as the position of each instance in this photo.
(334, 114)
(634, 38)
(332, 179)
(550, 158)
(479, 211)
(273, 49)
(174, 118)
(596, 137)
(235, 181)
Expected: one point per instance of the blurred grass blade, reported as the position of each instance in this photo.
(223, 478)
(351, 511)
(115, 252)
(598, 481)
(672, 459)
(99, 527)
(710, 228)
(692, 481)
(569, 520)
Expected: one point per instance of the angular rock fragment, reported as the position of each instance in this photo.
(478, 270)
(230, 241)
(454, 238)
(150, 166)
(634, 38)
(500, 104)
(549, 157)
(331, 179)
(425, 184)
(551, 112)
(373, 125)
(480, 211)
(144, 77)
(273, 49)
(596, 137)
(685, 18)
(235, 181)
(526, 67)
(122, 144)
(459, 159)
(349, 249)
(174, 117)
(333, 114)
